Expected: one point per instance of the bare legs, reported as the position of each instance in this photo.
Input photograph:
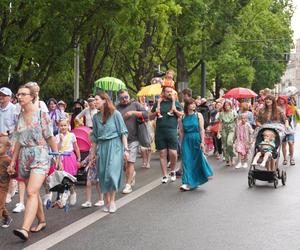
(34, 206)
(163, 160)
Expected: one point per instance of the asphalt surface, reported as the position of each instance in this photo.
(222, 214)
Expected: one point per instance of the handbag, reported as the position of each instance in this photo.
(143, 133)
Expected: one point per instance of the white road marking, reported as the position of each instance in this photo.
(84, 222)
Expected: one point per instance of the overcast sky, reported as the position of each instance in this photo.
(296, 20)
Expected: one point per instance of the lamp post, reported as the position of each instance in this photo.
(76, 70)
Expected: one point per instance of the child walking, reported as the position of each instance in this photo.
(67, 143)
(4, 181)
(243, 141)
(92, 179)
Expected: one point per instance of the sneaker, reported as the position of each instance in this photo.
(86, 204)
(170, 114)
(73, 198)
(245, 165)
(127, 189)
(164, 180)
(105, 209)
(6, 222)
(19, 208)
(173, 176)
(99, 203)
(8, 199)
(239, 165)
(184, 187)
(46, 198)
(159, 117)
(112, 207)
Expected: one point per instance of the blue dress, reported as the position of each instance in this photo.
(110, 150)
(196, 169)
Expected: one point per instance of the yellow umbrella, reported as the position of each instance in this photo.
(151, 90)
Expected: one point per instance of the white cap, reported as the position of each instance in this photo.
(6, 91)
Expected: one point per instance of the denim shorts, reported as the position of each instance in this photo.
(289, 138)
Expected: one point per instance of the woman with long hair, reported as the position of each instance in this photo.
(196, 170)
(110, 148)
(227, 128)
(33, 135)
(271, 113)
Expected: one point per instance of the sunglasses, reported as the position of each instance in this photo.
(123, 97)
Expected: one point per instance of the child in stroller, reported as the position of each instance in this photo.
(265, 149)
(268, 140)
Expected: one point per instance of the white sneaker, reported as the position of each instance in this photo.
(8, 198)
(73, 199)
(46, 198)
(173, 176)
(112, 207)
(164, 180)
(245, 165)
(127, 189)
(99, 203)
(19, 208)
(105, 209)
(86, 204)
(239, 165)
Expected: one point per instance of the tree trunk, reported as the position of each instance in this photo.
(218, 86)
(182, 72)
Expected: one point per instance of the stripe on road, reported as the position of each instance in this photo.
(84, 222)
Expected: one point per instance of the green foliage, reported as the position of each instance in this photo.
(242, 42)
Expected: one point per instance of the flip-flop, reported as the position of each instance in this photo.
(39, 227)
(20, 234)
(284, 162)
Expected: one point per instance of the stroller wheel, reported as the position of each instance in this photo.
(250, 181)
(275, 183)
(283, 177)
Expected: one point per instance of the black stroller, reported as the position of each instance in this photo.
(258, 173)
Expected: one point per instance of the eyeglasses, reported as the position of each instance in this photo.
(123, 97)
(22, 94)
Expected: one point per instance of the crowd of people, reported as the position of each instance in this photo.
(175, 123)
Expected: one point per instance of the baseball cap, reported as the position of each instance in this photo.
(6, 91)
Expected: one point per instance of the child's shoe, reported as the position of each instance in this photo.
(245, 165)
(239, 165)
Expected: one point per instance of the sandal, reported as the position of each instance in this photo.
(20, 233)
(284, 162)
(39, 227)
(292, 162)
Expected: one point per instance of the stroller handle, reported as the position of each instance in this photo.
(60, 153)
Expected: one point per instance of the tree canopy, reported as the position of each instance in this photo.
(243, 42)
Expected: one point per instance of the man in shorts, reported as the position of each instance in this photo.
(166, 134)
(130, 112)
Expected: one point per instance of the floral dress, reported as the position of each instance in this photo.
(33, 156)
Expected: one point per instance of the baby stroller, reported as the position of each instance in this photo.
(257, 173)
(60, 182)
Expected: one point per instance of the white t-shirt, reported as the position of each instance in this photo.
(67, 144)
(88, 113)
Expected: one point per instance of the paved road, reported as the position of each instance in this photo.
(223, 214)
